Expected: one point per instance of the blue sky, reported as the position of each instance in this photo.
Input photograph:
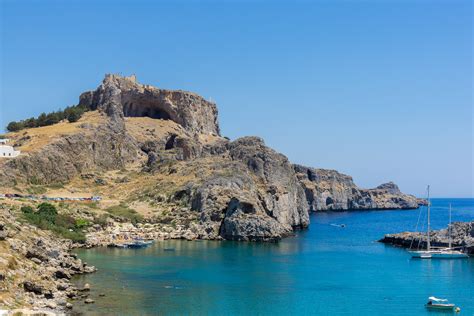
(380, 90)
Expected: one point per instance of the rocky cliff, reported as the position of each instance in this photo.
(123, 96)
(462, 235)
(179, 169)
(331, 190)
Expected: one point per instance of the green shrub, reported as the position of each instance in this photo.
(47, 212)
(15, 126)
(122, 210)
(81, 223)
(71, 113)
(102, 219)
(27, 210)
(46, 217)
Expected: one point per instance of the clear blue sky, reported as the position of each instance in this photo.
(380, 90)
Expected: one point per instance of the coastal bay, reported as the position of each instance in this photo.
(326, 263)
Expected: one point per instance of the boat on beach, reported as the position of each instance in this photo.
(438, 253)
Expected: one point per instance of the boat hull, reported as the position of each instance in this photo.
(440, 306)
(438, 255)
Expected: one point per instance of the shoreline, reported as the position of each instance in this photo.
(462, 237)
(61, 292)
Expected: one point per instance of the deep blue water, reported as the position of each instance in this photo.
(324, 270)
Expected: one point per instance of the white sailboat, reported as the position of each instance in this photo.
(438, 253)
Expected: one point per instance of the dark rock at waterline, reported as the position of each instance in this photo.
(330, 190)
(462, 235)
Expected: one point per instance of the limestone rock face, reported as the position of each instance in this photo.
(123, 96)
(331, 190)
(253, 195)
(284, 197)
(61, 161)
(213, 187)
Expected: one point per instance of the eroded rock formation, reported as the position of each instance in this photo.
(218, 189)
(331, 190)
(123, 96)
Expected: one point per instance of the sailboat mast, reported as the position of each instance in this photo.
(428, 244)
(449, 226)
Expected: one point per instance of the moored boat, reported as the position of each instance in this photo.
(137, 243)
(440, 304)
(438, 253)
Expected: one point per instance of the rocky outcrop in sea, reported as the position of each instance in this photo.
(330, 190)
(462, 236)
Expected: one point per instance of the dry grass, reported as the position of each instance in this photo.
(172, 177)
(33, 139)
(145, 128)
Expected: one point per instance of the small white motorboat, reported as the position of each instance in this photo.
(440, 303)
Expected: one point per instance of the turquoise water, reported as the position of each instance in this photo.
(324, 270)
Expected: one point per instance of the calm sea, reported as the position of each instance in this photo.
(325, 270)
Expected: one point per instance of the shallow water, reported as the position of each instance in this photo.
(325, 270)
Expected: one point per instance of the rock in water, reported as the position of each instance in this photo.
(462, 235)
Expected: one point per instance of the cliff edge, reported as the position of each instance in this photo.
(160, 152)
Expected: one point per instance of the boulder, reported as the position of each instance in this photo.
(3, 232)
(32, 287)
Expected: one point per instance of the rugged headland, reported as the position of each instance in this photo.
(462, 236)
(162, 170)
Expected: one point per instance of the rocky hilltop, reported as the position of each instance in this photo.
(123, 96)
(160, 151)
(462, 235)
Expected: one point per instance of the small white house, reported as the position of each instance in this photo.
(7, 151)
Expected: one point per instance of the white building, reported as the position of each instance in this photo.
(7, 151)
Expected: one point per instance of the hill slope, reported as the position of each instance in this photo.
(160, 152)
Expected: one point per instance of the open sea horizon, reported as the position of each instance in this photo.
(324, 270)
